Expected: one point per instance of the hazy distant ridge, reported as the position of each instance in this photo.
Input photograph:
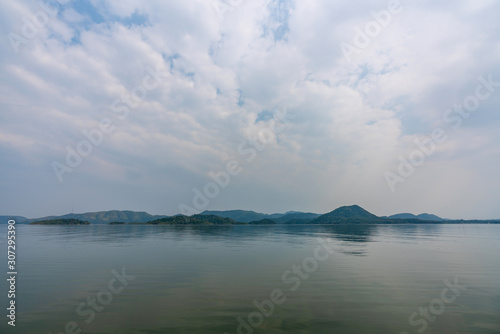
(353, 214)
(101, 217)
(422, 216)
(245, 216)
(18, 219)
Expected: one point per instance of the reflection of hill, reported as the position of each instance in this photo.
(126, 233)
(243, 216)
(345, 239)
(137, 232)
(407, 232)
(350, 232)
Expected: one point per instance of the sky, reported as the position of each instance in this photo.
(267, 105)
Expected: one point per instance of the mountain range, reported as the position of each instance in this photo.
(245, 216)
(422, 216)
(353, 214)
(101, 217)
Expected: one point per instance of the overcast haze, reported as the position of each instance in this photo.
(229, 69)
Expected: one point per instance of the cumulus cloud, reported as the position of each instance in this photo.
(225, 65)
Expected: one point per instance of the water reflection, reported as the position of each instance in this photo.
(351, 239)
(117, 233)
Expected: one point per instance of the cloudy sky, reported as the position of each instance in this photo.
(313, 104)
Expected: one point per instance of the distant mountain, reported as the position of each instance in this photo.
(353, 214)
(428, 216)
(276, 215)
(295, 216)
(290, 212)
(105, 217)
(194, 220)
(403, 216)
(18, 219)
(69, 221)
(242, 216)
(347, 214)
(423, 216)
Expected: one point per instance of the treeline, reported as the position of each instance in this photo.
(67, 221)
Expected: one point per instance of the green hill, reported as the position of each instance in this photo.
(403, 216)
(194, 220)
(428, 216)
(347, 214)
(106, 217)
(69, 221)
(423, 216)
(294, 217)
(243, 216)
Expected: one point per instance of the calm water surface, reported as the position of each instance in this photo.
(376, 279)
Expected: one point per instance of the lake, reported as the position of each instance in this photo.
(256, 279)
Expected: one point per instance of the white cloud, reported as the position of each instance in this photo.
(228, 63)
